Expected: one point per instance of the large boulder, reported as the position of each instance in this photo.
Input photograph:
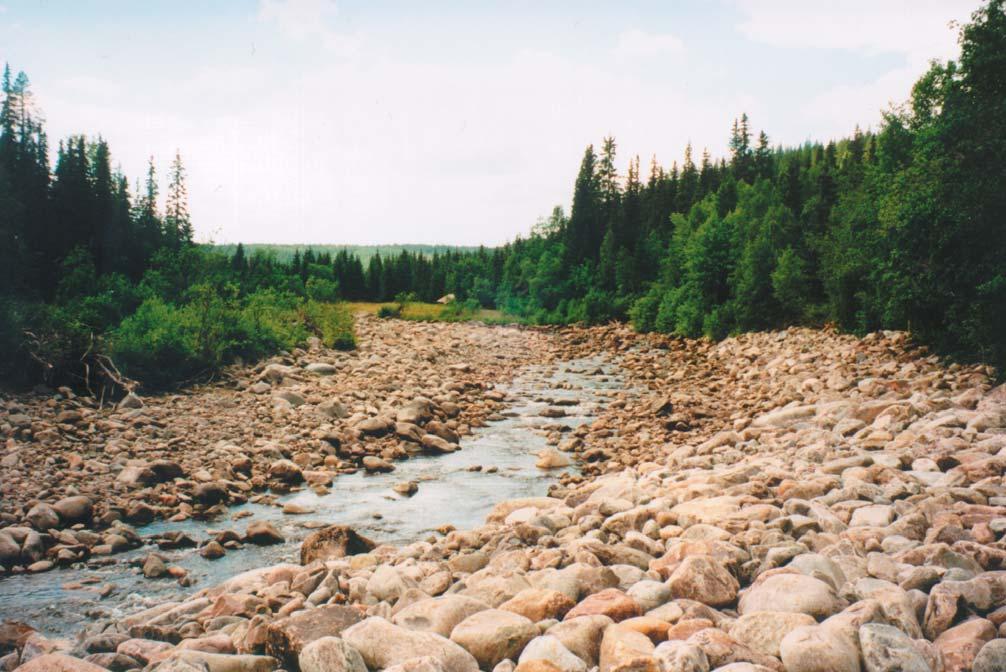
(582, 636)
(763, 631)
(549, 648)
(73, 510)
(493, 635)
(57, 662)
(818, 649)
(702, 579)
(286, 638)
(438, 614)
(383, 644)
(791, 592)
(610, 602)
(539, 604)
(334, 541)
(42, 517)
(263, 533)
(887, 649)
(330, 654)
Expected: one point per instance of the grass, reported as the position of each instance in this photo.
(433, 312)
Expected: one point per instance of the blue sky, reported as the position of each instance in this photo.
(323, 121)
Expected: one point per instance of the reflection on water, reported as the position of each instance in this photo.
(449, 493)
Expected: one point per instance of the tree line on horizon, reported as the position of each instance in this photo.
(898, 228)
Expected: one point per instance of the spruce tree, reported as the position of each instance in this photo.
(177, 223)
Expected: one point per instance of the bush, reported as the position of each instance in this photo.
(322, 289)
(163, 344)
(386, 312)
(333, 322)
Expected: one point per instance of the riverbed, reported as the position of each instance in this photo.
(496, 463)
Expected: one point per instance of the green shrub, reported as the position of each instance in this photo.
(322, 289)
(334, 324)
(386, 312)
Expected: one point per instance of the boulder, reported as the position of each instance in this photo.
(383, 644)
(493, 634)
(334, 541)
(538, 604)
(610, 602)
(817, 649)
(73, 510)
(887, 649)
(57, 662)
(438, 614)
(42, 517)
(286, 638)
(330, 654)
(549, 648)
(702, 579)
(263, 533)
(790, 592)
(763, 631)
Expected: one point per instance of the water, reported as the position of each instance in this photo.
(449, 493)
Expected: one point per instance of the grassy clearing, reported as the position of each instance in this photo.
(432, 312)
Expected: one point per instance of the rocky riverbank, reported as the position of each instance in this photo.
(798, 501)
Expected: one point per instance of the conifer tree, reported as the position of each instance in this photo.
(177, 223)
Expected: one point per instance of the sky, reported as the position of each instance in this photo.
(357, 122)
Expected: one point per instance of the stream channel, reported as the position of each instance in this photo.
(450, 492)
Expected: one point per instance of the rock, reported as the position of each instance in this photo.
(539, 604)
(991, 658)
(406, 488)
(623, 650)
(376, 426)
(702, 579)
(73, 510)
(154, 567)
(286, 471)
(679, 656)
(961, 644)
(421, 664)
(817, 649)
(321, 369)
(493, 634)
(382, 645)
(210, 494)
(333, 409)
(57, 662)
(887, 649)
(375, 464)
(212, 550)
(262, 533)
(287, 638)
(611, 602)
(416, 412)
(290, 397)
(550, 649)
(330, 654)
(131, 400)
(764, 630)
(334, 541)
(552, 459)
(219, 662)
(582, 636)
(437, 445)
(438, 614)
(116, 662)
(790, 592)
(42, 517)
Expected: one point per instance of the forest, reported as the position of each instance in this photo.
(900, 227)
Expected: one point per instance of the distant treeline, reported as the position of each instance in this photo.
(285, 253)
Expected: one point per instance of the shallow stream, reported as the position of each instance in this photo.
(58, 602)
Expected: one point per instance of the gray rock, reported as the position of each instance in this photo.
(887, 649)
(330, 654)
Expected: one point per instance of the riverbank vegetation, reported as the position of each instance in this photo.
(900, 227)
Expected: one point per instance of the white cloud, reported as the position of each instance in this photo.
(638, 43)
(915, 31)
(918, 29)
(309, 21)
